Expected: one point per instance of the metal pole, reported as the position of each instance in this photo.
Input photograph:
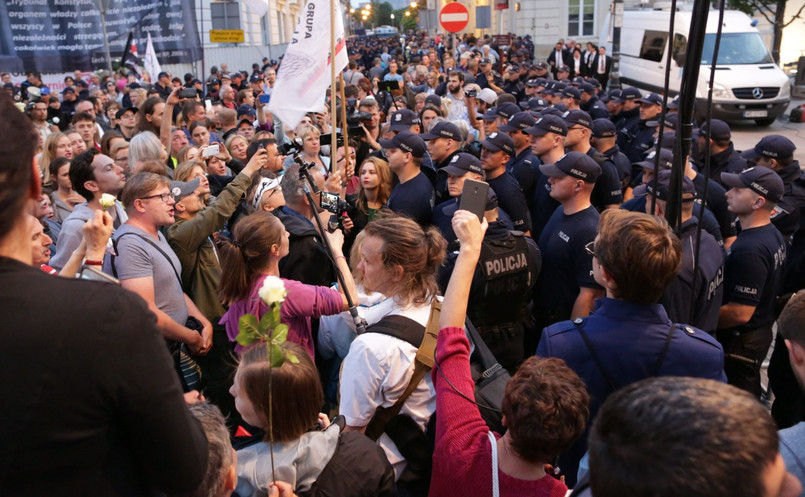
(333, 113)
(687, 98)
(203, 62)
(617, 22)
(102, 6)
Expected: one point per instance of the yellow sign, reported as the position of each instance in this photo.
(226, 36)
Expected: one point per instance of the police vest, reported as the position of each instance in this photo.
(507, 278)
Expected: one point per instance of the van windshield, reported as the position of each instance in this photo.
(736, 48)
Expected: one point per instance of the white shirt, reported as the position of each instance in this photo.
(376, 372)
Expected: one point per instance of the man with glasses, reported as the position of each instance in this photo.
(92, 175)
(146, 265)
(629, 337)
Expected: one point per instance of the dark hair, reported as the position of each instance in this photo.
(255, 145)
(789, 324)
(639, 253)
(189, 107)
(246, 255)
(16, 169)
(108, 136)
(457, 73)
(81, 116)
(546, 407)
(81, 171)
(140, 185)
(296, 395)
(676, 436)
(147, 109)
(55, 165)
(506, 98)
(418, 252)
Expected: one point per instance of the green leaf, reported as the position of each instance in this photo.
(248, 330)
(267, 322)
(280, 334)
(275, 356)
(292, 358)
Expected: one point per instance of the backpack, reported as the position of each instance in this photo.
(797, 114)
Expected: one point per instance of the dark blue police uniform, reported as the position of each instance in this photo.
(706, 217)
(753, 277)
(786, 214)
(414, 198)
(626, 126)
(511, 200)
(525, 169)
(443, 219)
(641, 142)
(595, 107)
(717, 203)
(607, 189)
(542, 207)
(566, 264)
(695, 297)
(629, 340)
(622, 164)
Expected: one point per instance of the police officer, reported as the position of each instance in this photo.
(513, 85)
(461, 167)
(776, 152)
(607, 193)
(642, 135)
(754, 273)
(444, 142)
(603, 139)
(628, 121)
(566, 288)
(501, 287)
(614, 105)
(496, 150)
(590, 102)
(522, 165)
(547, 139)
(571, 98)
(692, 297)
(723, 156)
(629, 337)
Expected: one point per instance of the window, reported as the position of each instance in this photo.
(225, 15)
(581, 18)
(736, 48)
(653, 45)
(680, 47)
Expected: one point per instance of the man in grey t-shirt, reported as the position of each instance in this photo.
(146, 265)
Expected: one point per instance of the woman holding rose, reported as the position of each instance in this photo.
(245, 265)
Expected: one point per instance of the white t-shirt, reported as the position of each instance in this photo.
(376, 372)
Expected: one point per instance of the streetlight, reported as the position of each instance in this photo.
(413, 5)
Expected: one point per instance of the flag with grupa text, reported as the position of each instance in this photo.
(150, 63)
(304, 74)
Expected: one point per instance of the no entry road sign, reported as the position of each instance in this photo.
(454, 17)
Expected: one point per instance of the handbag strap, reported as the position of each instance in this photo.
(488, 362)
(151, 242)
(579, 324)
(495, 482)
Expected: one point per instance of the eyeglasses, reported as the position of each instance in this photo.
(590, 248)
(165, 197)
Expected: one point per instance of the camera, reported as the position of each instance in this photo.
(355, 120)
(332, 202)
(471, 93)
(291, 147)
(188, 93)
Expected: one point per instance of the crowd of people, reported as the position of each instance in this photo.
(631, 349)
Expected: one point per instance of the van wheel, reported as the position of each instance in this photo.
(765, 121)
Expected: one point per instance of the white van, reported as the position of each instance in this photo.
(748, 84)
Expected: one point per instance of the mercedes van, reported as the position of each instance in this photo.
(748, 84)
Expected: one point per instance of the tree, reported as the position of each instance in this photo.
(774, 12)
(381, 14)
(405, 22)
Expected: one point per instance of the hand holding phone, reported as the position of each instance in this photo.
(210, 151)
(473, 197)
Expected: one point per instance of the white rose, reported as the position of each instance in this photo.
(272, 291)
(107, 200)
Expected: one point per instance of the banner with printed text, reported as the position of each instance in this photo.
(53, 36)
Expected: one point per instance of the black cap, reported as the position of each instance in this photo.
(163, 74)
(759, 179)
(571, 92)
(541, 65)
(548, 124)
(561, 108)
(552, 111)
(243, 121)
(491, 114)
(563, 68)
(575, 164)
(407, 142)
(674, 104)
(666, 160)
(719, 130)
(604, 128)
(463, 163)
(508, 109)
(499, 141)
(668, 139)
(122, 111)
(485, 61)
(537, 104)
(513, 68)
(771, 147)
(532, 83)
(443, 129)
(403, 119)
(630, 93)
(132, 86)
(518, 122)
(579, 117)
(68, 89)
(587, 88)
(255, 78)
(612, 95)
(435, 100)
(651, 98)
(246, 110)
(664, 187)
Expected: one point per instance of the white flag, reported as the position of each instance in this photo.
(305, 73)
(150, 62)
(259, 7)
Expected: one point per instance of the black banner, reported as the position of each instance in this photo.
(63, 35)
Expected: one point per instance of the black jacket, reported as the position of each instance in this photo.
(307, 259)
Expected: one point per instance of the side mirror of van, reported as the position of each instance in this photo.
(680, 57)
